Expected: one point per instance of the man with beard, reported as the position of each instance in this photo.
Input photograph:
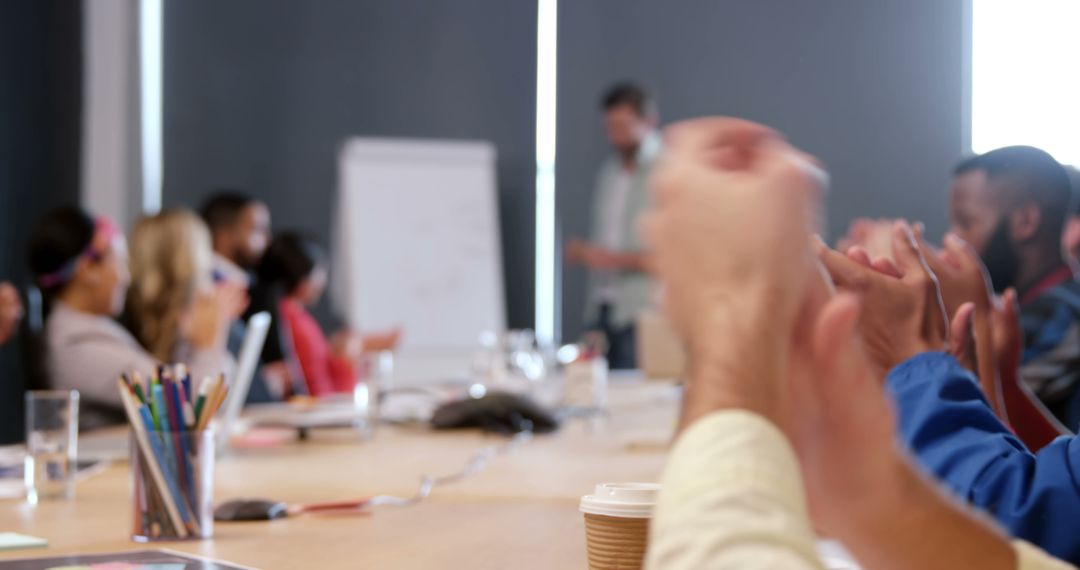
(1011, 204)
(240, 228)
(619, 286)
(240, 231)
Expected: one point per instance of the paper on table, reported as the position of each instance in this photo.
(835, 556)
(12, 489)
(15, 541)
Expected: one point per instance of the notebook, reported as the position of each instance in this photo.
(131, 560)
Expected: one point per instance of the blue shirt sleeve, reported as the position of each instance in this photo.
(946, 422)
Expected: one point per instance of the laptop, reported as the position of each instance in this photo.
(246, 365)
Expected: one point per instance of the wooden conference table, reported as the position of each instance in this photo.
(520, 511)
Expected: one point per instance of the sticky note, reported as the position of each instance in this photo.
(15, 541)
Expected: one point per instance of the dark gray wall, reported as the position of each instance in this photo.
(40, 126)
(872, 88)
(260, 93)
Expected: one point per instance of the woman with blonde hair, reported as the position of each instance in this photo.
(173, 308)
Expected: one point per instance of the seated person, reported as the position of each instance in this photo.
(944, 417)
(10, 311)
(784, 420)
(1010, 204)
(81, 265)
(172, 303)
(291, 278)
(239, 232)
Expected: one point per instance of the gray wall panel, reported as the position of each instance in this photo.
(872, 88)
(260, 93)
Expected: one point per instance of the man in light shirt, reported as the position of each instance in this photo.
(784, 419)
(618, 285)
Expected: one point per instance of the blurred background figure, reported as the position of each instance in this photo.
(618, 287)
(173, 307)
(239, 232)
(80, 263)
(1011, 204)
(291, 279)
(11, 311)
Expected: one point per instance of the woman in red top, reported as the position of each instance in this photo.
(295, 268)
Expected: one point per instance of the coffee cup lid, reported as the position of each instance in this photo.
(628, 500)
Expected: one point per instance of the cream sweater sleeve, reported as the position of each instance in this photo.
(732, 497)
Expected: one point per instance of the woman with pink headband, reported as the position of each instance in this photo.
(81, 266)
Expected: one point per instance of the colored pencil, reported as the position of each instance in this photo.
(180, 434)
(139, 419)
(175, 494)
(162, 428)
(200, 401)
(184, 376)
(209, 404)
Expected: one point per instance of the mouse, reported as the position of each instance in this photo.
(498, 412)
(250, 510)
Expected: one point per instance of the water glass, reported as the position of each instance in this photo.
(52, 435)
(375, 379)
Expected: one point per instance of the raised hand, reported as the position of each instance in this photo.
(729, 234)
(902, 311)
(963, 279)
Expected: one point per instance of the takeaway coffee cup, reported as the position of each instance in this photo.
(617, 524)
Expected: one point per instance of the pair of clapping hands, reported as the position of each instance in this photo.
(744, 284)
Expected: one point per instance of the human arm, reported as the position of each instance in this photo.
(11, 311)
(731, 494)
(376, 342)
(963, 279)
(90, 361)
(1029, 418)
(596, 257)
(944, 419)
(732, 498)
(322, 369)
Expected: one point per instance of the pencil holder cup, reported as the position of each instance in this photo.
(173, 485)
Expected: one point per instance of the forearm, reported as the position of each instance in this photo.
(912, 525)
(955, 436)
(734, 364)
(986, 362)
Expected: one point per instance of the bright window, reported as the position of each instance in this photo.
(547, 297)
(1026, 76)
